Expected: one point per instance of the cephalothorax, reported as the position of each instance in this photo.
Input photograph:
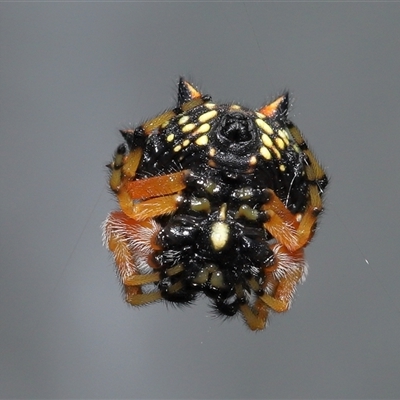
(217, 200)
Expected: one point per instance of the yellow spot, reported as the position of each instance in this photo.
(213, 152)
(202, 129)
(267, 140)
(217, 279)
(265, 153)
(282, 168)
(283, 134)
(210, 105)
(259, 115)
(183, 120)
(186, 143)
(235, 107)
(247, 212)
(170, 137)
(253, 161)
(188, 128)
(202, 276)
(280, 143)
(244, 193)
(222, 212)
(219, 235)
(207, 116)
(276, 151)
(202, 140)
(164, 124)
(200, 204)
(177, 148)
(264, 126)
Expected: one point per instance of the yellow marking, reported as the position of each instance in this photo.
(213, 152)
(202, 276)
(283, 134)
(207, 116)
(297, 148)
(186, 143)
(202, 129)
(265, 153)
(235, 107)
(276, 151)
(187, 128)
(244, 193)
(217, 279)
(267, 140)
(183, 120)
(219, 235)
(259, 115)
(264, 126)
(211, 186)
(210, 105)
(282, 168)
(177, 148)
(253, 161)
(247, 212)
(222, 212)
(200, 204)
(170, 137)
(202, 140)
(280, 143)
(164, 124)
(285, 137)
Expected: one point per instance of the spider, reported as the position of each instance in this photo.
(218, 200)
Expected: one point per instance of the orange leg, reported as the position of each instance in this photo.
(131, 243)
(282, 278)
(293, 231)
(143, 198)
(151, 197)
(255, 317)
(278, 289)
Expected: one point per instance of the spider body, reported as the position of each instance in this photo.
(217, 200)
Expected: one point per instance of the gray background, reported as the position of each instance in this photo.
(71, 74)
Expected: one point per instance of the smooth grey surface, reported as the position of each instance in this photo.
(71, 74)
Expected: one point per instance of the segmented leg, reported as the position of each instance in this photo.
(132, 242)
(278, 289)
(151, 197)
